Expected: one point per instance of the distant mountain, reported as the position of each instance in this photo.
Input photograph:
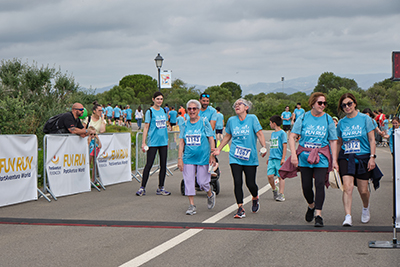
(98, 90)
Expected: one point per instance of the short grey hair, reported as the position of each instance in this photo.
(193, 101)
(247, 103)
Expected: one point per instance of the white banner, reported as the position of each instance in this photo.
(166, 79)
(396, 152)
(114, 159)
(67, 164)
(18, 169)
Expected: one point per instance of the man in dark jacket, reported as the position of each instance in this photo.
(70, 122)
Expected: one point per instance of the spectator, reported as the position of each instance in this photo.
(93, 142)
(128, 115)
(96, 119)
(116, 114)
(109, 113)
(70, 122)
(139, 117)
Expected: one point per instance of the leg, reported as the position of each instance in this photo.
(238, 183)
(250, 173)
(204, 178)
(163, 151)
(348, 186)
(281, 185)
(362, 186)
(320, 175)
(151, 154)
(307, 185)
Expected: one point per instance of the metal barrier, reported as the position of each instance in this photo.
(172, 157)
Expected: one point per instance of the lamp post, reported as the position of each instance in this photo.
(159, 61)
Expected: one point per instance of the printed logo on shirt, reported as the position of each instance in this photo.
(239, 132)
(318, 131)
(353, 131)
(274, 143)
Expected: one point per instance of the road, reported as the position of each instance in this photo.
(117, 228)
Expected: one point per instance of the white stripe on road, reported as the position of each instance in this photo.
(157, 251)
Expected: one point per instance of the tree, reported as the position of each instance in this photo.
(143, 86)
(180, 94)
(234, 88)
(328, 81)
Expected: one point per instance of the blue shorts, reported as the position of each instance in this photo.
(273, 166)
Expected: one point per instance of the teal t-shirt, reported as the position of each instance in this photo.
(109, 111)
(315, 132)
(180, 120)
(158, 133)
(172, 116)
(244, 140)
(219, 124)
(197, 146)
(276, 144)
(298, 112)
(117, 112)
(286, 115)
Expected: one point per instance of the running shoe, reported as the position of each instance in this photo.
(141, 192)
(191, 210)
(256, 205)
(348, 221)
(280, 197)
(162, 191)
(240, 213)
(310, 214)
(319, 222)
(275, 192)
(211, 201)
(365, 215)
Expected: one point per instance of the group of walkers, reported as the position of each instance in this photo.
(323, 145)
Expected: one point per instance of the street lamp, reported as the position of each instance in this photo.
(159, 61)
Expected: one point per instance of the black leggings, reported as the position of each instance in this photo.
(151, 154)
(307, 175)
(250, 173)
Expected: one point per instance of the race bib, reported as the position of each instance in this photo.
(352, 146)
(242, 153)
(193, 140)
(160, 124)
(274, 143)
(312, 145)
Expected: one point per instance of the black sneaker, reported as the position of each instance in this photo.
(310, 214)
(319, 222)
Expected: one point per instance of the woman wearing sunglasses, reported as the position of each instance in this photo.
(356, 156)
(96, 119)
(243, 129)
(313, 156)
(196, 141)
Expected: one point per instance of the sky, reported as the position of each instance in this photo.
(204, 42)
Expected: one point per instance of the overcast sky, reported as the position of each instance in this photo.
(204, 42)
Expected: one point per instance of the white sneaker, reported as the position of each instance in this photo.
(348, 221)
(365, 216)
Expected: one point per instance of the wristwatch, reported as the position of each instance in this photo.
(372, 156)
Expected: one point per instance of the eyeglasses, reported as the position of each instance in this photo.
(238, 104)
(80, 109)
(205, 95)
(190, 109)
(322, 103)
(100, 110)
(348, 104)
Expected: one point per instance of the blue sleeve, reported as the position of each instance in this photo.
(369, 125)
(228, 126)
(147, 118)
(284, 137)
(298, 125)
(214, 116)
(256, 124)
(332, 135)
(208, 129)
(182, 131)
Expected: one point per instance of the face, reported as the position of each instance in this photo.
(92, 133)
(320, 104)
(240, 107)
(193, 110)
(204, 102)
(79, 110)
(348, 105)
(158, 100)
(298, 106)
(287, 109)
(99, 110)
(395, 124)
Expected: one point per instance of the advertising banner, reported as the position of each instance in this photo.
(67, 164)
(114, 159)
(166, 80)
(396, 152)
(18, 169)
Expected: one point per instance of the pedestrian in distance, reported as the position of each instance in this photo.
(172, 115)
(313, 156)
(286, 120)
(156, 133)
(356, 155)
(109, 113)
(139, 117)
(277, 155)
(96, 119)
(298, 111)
(219, 125)
(128, 113)
(195, 158)
(208, 111)
(94, 144)
(244, 129)
(116, 114)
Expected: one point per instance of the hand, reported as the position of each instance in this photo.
(212, 160)
(180, 164)
(263, 155)
(282, 161)
(143, 145)
(294, 160)
(371, 164)
(216, 151)
(335, 165)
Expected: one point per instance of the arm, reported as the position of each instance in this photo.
(145, 132)
(212, 146)
(76, 130)
(284, 148)
(292, 140)
(371, 162)
(224, 141)
(103, 126)
(261, 138)
(213, 124)
(334, 147)
(180, 154)
(98, 141)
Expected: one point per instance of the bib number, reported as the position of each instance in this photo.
(312, 145)
(193, 140)
(242, 153)
(274, 143)
(352, 147)
(160, 124)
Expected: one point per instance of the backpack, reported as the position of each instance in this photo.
(51, 125)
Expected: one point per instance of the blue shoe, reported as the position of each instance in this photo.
(141, 192)
(162, 191)
(256, 205)
(240, 213)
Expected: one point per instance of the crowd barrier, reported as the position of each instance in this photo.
(172, 158)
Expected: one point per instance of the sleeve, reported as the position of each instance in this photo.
(228, 126)
(284, 137)
(147, 119)
(338, 132)
(182, 131)
(256, 124)
(208, 129)
(214, 116)
(368, 124)
(332, 135)
(298, 125)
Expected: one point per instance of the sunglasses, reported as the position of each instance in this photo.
(322, 103)
(92, 134)
(348, 104)
(205, 95)
(190, 109)
(80, 109)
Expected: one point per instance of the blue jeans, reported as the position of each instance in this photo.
(139, 123)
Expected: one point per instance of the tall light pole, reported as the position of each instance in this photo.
(159, 61)
(283, 80)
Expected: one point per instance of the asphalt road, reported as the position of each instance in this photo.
(115, 227)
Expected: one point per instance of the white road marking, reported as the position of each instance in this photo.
(157, 251)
